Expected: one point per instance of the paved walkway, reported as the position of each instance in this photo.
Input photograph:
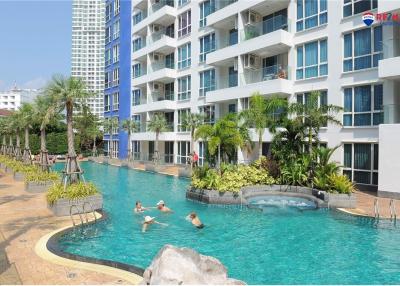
(24, 219)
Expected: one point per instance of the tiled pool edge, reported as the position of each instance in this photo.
(48, 249)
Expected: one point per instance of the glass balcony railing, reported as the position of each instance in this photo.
(267, 26)
(220, 4)
(157, 6)
(391, 113)
(139, 17)
(161, 65)
(161, 96)
(139, 73)
(156, 37)
(139, 45)
(391, 48)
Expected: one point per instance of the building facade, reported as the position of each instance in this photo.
(209, 57)
(12, 99)
(87, 60)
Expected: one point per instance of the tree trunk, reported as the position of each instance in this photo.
(11, 147)
(4, 146)
(70, 131)
(219, 156)
(27, 151)
(129, 147)
(44, 156)
(259, 144)
(94, 150)
(18, 154)
(156, 155)
(110, 149)
(192, 141)
(310, 141)
(72, 169)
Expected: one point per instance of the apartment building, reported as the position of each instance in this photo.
(117, 78)
(210, 56)
(12, 99)
(87, 60)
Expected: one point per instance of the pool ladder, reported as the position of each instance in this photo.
(376, 209)
(392, 210)
(80, 213)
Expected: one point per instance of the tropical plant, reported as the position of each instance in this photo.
(296, 172)
(26, 117)
(17, 126)
(157, 124)
(340, 184)
(66, 93)
(130, 126)
(269, 165)
(72, 192)
(3, 133)
(85, 122)
(315, 115)
(191, 121)
(261, 115)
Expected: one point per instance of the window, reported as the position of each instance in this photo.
(363, 105)
(136, 97)
(182, 2)
(245, 102)
(185, 24)
(233, 77)
(232, 108)
(353, 7)
(181, 115)
(170, 61)
(233, 37)
(107, 80)
(169, 152)
(116, 101)
(116, 53)
(169, 91)
(116, 7)
(206, 8)
(136, 150)
(311, 13)
(184, 87)
(136, 70)
(303, 98)
(137, 44)
(108, 57)
(106, 102)
(184, 56)
(137, 18)
(108, 12)
(362, 49)
(116, 30)
(207, 45)
(202, 152)
(115, 149)
(208, 113)
(108, 35)
(116, 77)
(207, 82)
(275, 21)
(360, 162)
(115, 128)
(312, 60)
(183, 152)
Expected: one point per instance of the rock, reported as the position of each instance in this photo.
(181, 266)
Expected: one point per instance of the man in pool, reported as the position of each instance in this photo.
(195, 220)
(148, 220)
(162, 208)
(139, 208)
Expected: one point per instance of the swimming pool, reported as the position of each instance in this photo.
(279, 246)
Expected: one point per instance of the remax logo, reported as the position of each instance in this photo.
(368, 18)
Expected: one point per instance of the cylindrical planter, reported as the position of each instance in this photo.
(18, 176)
(38, 187)
(62, 207)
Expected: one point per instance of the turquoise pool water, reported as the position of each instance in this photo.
(260, 245)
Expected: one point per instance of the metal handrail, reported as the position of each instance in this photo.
(91, 209)
(376, 208)
(392, 207)
(71, 215)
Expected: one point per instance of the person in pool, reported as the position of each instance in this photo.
(139, 208)
(162, 208)
(195, 220)
(148, 220)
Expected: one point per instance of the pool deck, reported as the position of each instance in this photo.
(24, 221)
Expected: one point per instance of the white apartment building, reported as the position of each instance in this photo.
(12, 99)
(87, 62)
(210, 56)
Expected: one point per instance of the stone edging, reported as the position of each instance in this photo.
(48, 249)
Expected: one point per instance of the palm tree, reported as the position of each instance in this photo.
(225, 136)
(94, 132)
(315, 115)
(83, 123)
(26, 112)
(130, 126)
(10, 131)
(157, 124)
(67, 92)
(260, 115)
(191, 121)
(3, 133)
(17, 126)
(109, 125)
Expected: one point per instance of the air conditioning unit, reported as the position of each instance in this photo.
(252, 18)
(157, 57)
(155, 28)
(252, 61)
(155, 86)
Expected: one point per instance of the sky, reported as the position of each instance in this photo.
(35, 41)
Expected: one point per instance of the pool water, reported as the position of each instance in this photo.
(260, 245)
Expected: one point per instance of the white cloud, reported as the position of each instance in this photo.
(35, 83)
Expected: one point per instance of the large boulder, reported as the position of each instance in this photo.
(178, 266)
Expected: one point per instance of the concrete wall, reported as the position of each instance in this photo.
(389, 160)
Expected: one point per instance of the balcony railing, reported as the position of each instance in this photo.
(223, 3)
(161, 65)
(161, 158)
(161, 96)
(157, 6)
(142, 72)
(391, 48)
(139, 17)
(156, 37)
(140, 45)
(391, 113)
(268, 26)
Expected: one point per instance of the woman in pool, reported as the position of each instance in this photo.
(148, 220)
(139, 208)
(194, 219)
(162, 208)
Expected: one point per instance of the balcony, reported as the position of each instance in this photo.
(138, 17)
(268, 44)
(156, 43)
(160, 105)
(267, 81)
(389, 66)
(160, 13)
(160, 73)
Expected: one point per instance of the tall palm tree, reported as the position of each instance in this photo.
(130, 126)
(94, 132)
(225, 136)
(10, 132)
(109, 125)
(17, 126)
(191, 121)
(157, 124)
(26, 112)
(3, 133)
(67, 92)
(260, 115)
(315, 115)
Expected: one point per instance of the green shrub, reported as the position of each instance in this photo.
(40, 176)
(270, 165)
(72, 192)
(296, 172)
(340, 184)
